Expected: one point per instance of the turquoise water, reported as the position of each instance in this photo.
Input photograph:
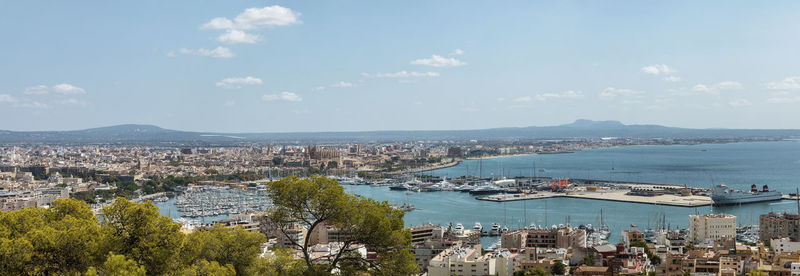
(738, 164)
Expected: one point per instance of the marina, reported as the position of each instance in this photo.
(207, 201)
(452, 203)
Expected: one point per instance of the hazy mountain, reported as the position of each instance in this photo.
(579, 129)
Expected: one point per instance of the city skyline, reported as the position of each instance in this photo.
(282, 66)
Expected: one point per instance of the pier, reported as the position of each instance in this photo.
(614, 195)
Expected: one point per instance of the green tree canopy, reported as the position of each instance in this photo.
(140, 233)
(558, 269)
(117, 265)
(536, 271)
(376, 225)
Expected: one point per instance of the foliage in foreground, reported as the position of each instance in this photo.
(131, 239)
(134, 239)
(319, 201)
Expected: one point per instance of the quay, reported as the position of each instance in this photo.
(614, 195)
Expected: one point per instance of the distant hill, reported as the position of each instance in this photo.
(131, 133)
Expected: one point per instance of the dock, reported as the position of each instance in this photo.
(614, 195)
(789, 197)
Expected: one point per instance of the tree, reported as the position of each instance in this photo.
(233, 247)
(754, 272)
(15, 254)
(117, 265)
(206, 268)
(558, 269)
(588, 260)
(131, 239)
(140, 233)
(63, 239)
(316, 200)
(536, 271)
(211, 171)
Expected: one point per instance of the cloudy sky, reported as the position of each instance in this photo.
(242, 66)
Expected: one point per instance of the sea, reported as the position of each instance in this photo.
(776, 164)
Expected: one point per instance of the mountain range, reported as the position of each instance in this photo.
(132, 133)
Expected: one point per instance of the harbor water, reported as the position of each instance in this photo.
(776, 164)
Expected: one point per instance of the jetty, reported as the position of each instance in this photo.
(612, 195)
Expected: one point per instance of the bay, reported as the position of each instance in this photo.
(776, 164)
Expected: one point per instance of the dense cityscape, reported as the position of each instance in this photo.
(229, 186)
(400, 138)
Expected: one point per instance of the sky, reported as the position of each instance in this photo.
(283, 66)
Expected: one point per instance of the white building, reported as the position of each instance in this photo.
(711, 227)
(784, 245)
(795, 268)
(467, 261)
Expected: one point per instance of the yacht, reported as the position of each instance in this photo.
(495, 229)
(405, 207)
(399, 187)
(478, 227)
(459, 228)
(486, 190)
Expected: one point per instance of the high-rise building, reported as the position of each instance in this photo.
(776, 225)
(711, 226)
(563, 237)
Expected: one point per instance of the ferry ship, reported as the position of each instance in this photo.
(722, 196)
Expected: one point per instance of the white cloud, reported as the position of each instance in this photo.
(790, 83)
(457, 52)
(701, 88)
(784, 100)
(612, 92)
(729, 85)
(32, 104)
(343, 84)
(219, 52)
(232, 83)
(283, 96)
(37, 90)
(72, 101)
(62, 89)
(658, 69)
(501, 99)
(219, 23)
(715, 88)
(6, 98)
(401, 74)
(67, 89)
(254, 18)
(563, 95)
(438, 61)
(523, 99)
(739, 102)
(170, 54)
(237, 36)
(672, 79)
(230, 103)
(318, 88)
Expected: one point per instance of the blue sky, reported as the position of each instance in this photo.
(275, 66)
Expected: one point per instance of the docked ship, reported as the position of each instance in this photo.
(721, 195)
